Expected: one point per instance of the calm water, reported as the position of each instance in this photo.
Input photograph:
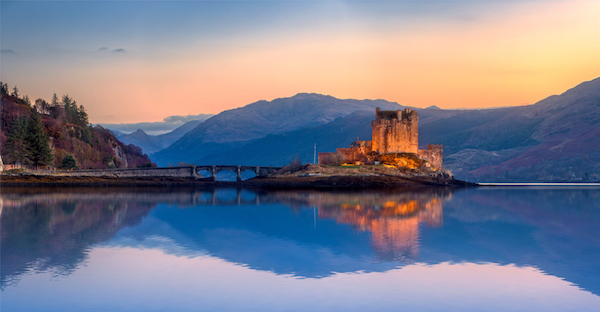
(487, 249)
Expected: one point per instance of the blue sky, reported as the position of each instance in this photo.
(124, 59)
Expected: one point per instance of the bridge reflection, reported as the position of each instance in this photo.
(72, 220)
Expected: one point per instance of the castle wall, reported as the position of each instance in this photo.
(357, 152)
(434, 154)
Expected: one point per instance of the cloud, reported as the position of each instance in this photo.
(8, 51)
(184, 119)
(103, 49)
(118, 51)
(155, 128)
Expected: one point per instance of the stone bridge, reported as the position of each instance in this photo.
(258, 170)
(183, 172)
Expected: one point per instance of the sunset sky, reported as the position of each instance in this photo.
(134, 61)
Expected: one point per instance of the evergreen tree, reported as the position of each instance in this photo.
(69, 162)
(27, 101)
(40, 153)
(16, 150)
(54, 102)
(82, 117)
(15, 92)
(3, 88)
(56, 109)
(67, 103)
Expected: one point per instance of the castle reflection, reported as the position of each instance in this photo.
(394, 224)
(392, 219)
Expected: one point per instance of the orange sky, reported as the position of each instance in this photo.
(484, 56)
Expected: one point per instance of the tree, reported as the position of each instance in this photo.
(16, 150)
(56, 110)
(40, 153)
(68, 162)
(42, 107)
(54, 101)
(66, 100)
(82, 117)
(15, 92)
(70, 108)
(27, 101)
(3, 88)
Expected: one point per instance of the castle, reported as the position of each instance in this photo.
(393, 132)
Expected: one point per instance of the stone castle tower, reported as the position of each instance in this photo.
(395, 131)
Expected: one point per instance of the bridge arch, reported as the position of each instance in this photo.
(248, 174)
(214, 170)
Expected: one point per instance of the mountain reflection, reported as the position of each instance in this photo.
(52, 232)
(307, 233)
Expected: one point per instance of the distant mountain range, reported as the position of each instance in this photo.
(169, 124)
(557, 139)
(154, 143)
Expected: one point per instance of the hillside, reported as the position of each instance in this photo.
(149, 144)
(57, 134)
(234, 128)
(560, 140)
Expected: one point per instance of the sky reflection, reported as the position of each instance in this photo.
(119, 281)
(190, 250)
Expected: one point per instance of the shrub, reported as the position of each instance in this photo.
(68, 163)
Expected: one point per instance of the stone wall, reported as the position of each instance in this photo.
(434, 154)
(331, 159)
(357, 152)
(395, 131)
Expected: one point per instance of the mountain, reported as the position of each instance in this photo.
(281, 149)
(156, 128)
(169, 138)
(234, 128)
(557, 139)
(154, 143)
(140, 138)
(560, 139)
